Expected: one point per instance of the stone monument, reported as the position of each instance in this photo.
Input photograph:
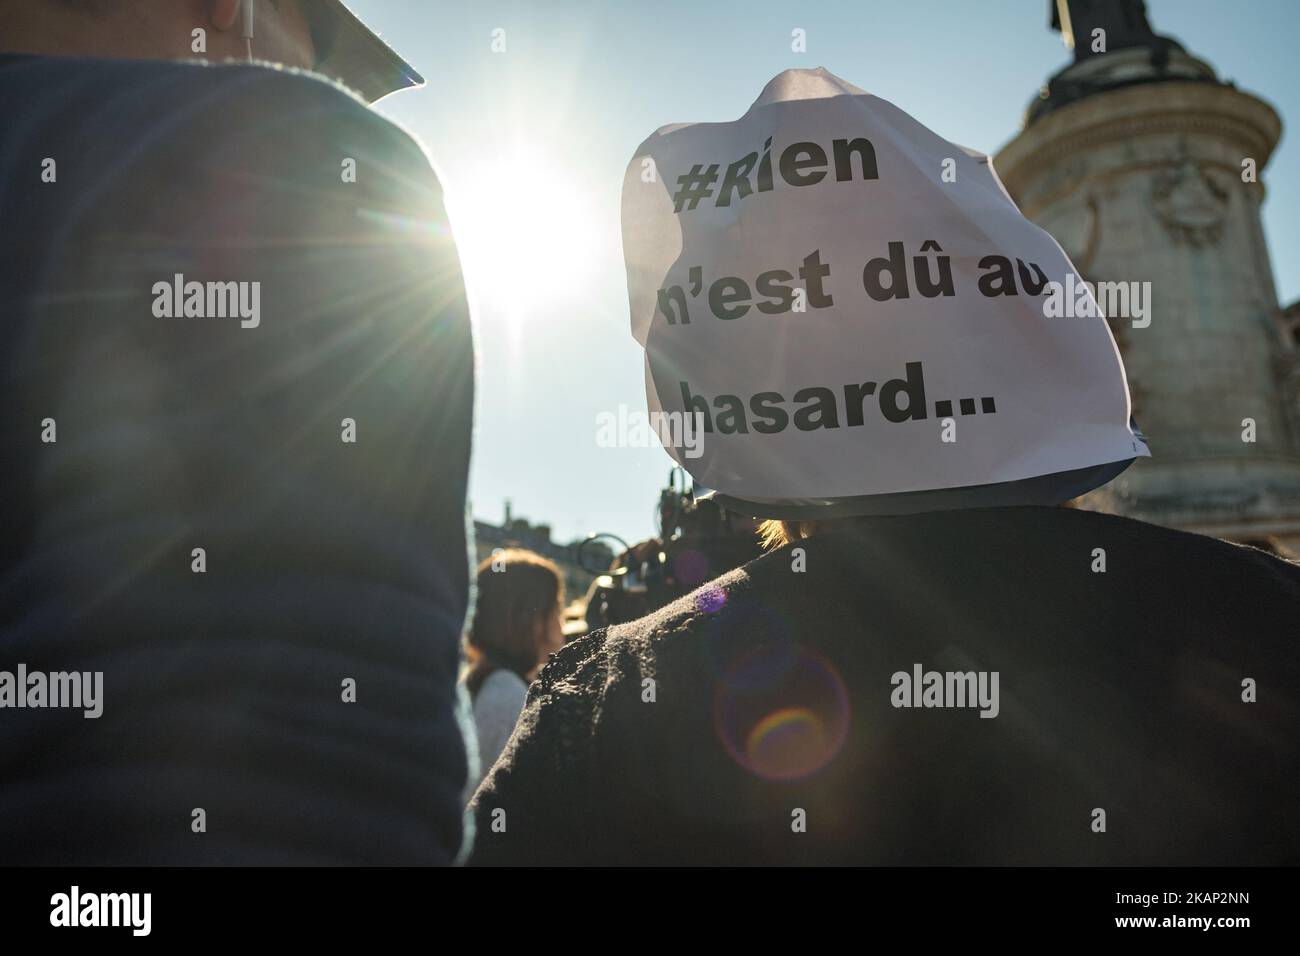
(1147, 167)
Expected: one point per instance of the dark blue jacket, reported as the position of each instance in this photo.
(327, 561)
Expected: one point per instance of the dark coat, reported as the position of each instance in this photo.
(773, 707)
(325, 560)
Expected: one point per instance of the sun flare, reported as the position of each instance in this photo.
(526, 234)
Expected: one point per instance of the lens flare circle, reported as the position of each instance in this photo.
(782, 711)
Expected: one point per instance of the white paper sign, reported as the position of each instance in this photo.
(855, 306)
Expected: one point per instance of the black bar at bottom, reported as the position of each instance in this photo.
(335, 906)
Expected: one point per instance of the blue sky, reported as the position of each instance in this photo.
(532, 144)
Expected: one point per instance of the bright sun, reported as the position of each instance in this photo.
(525, 232)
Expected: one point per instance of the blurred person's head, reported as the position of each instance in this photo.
(157, 29)
(518, 615)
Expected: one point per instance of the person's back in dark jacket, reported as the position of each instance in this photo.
(295, 680)
(754, 721)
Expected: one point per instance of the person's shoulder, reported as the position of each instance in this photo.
(572, 665)
(498, 703)
(184, 83)
(1157, 540)
(502, 684)
(1036, 527)
(292, 118)
(269, 95)
(159, 104)
(790, 584)
(298, 109)
(605, 655)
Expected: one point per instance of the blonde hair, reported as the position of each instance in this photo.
(777, 534)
